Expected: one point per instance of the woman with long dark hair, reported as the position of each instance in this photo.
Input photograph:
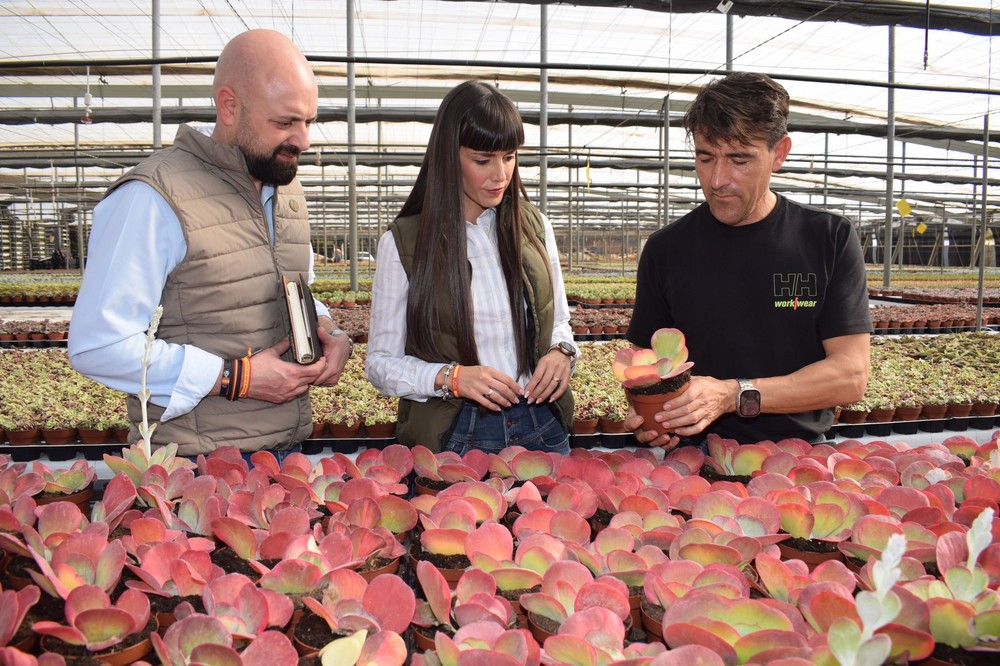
(469, 323)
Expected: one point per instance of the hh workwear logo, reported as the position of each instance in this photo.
(795, 290)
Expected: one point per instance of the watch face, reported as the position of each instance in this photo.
(567, 348)
(749, 403)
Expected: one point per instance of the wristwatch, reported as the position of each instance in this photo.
(747, 400)
(565, 348)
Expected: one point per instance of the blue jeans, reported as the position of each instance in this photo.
(278, 455)
(534, 427)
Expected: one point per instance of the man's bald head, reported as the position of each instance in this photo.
(256, 57)
(266, 98)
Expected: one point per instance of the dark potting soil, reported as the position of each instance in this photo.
(440, 561)
(432, 484)
(312, 630)
(544, 623)
(158, 604)
(515, 595)
(664, 385)
(374, 563)
(962, 657)
(232, 563)
(811, 545)
(81, 655)
(711, 475)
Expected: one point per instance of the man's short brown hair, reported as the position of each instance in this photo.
(741, 107)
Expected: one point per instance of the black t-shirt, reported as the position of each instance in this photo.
(754, 301)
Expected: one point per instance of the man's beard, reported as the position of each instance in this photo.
(268, 168)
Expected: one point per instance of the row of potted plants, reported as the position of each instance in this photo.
(41, 390)
(403, 555)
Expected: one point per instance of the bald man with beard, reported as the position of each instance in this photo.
(206, 229)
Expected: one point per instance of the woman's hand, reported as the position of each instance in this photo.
(487, 386)
(551, 378)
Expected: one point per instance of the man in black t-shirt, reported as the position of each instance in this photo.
(770, 293)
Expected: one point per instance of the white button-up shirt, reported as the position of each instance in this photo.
(395, 373)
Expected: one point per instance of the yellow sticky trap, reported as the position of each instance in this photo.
(903, 206)
(921, 228)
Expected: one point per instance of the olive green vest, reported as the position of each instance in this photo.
(225, 295)
(428, 422)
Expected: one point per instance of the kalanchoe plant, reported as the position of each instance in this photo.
(243, 608)
(485, 640)
(964, 608)
(643, 368)
(15, 605)
(94, 622)
(383, 648)
(201, 639)
(568, 587)
(350, 603)
(169, 569)
(473, 600)
(854, 645)
(65, 481)
(81, 559)
(448, 466)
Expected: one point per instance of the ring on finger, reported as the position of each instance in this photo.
(556, 380)
(488, 394)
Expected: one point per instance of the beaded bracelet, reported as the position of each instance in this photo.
(446, 382)
(227, 373)
(454, 381)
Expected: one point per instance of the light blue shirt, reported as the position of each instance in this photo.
(135, 243)
(393, 372)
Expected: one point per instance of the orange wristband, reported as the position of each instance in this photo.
(454, 381)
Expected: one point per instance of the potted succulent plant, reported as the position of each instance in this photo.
(653, 376)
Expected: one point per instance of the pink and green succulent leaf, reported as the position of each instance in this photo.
(545, 605)
(570, 526)
(182, 638)
(531, 464)
(14, 606)
(444, 541)
(797, 519)
(398, 515)
(516, 578)
(293, 577)
(390, 601)
(705, 634)
(908, 643)
(600, 627)
(484, 608)
(572, 650)
(492, 539)
(436, 591)
(237, 535)
(849, 646)
(601, 595)
(752, 646)
(749, 458)
(822, 604)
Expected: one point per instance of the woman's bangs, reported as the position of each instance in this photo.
(492, 129)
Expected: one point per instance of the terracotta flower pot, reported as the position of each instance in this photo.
(853, 415)
(881, 415)
(609, 426)
(647, 406)
(96, 435)
(380, 430)
(584, 426)
(25, 437)
(59, 436)
(344, 430)
(81, 498)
